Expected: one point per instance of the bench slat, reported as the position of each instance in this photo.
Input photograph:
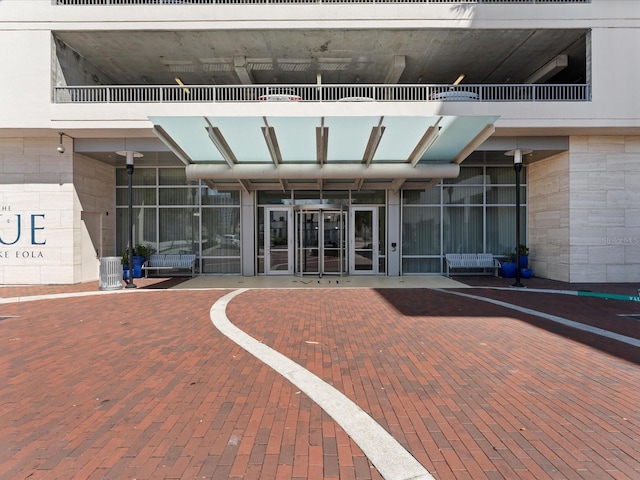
(158, 261)
(471, 260)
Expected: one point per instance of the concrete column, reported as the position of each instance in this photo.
(248, 233)
(393, 233)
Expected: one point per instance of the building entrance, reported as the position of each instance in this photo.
(364, 242)
(320, 238)
(278, 241)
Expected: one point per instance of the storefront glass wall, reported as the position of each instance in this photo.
(172, 215)
(474, 213)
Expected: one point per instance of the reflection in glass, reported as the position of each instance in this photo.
(363, 242)
(278, 240)
(421, 231)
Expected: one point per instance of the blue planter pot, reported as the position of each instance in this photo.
(508, 269)
(526, 273)
(138, 261)
(137, 271)
(524, 261)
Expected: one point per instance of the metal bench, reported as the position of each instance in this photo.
(467, 261)
(170, 264)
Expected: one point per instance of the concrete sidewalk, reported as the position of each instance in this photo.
(140, 384)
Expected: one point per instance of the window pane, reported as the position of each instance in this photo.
(501, 195)
(215, 197)
(172, 176)
(463, 195)
(335, 197)
(382, 230)
(430, 196)
(139, 196)
(221, 265)
(178, 196)
(462, 229)
(141, 176)
(421, 265)
(274, 198)
(505, 175)
(421, 231)
(221, 232)
(144, 227)
(302, 197)
(501, 229)
(373, 197)
(178, 230)
(468, 175)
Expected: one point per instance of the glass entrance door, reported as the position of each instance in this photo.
(278, 241)
(363, 243)
(320, 241)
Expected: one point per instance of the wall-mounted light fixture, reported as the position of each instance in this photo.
(61, 148)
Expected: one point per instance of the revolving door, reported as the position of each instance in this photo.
(320, 239)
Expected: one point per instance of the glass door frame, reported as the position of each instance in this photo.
(301, 248)
(267, 241)
(375, 241)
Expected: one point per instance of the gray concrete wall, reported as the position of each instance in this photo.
(548, 217)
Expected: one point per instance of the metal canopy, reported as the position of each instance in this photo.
(329, 153)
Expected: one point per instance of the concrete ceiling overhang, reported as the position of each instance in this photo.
(259, 153)
(340, 55)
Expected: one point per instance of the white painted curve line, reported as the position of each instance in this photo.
(554, 318)
(387, 455)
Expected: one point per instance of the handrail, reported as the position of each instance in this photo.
(322, 93)
(313, 2)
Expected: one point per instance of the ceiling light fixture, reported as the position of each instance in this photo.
(179, 82)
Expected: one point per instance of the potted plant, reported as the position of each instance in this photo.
(523, 254)
(140, 254)
(141, 250)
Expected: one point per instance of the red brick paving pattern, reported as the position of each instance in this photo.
(141, 385)
(476, 394)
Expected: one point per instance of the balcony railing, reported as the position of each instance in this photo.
(322, 93)
(313, 2)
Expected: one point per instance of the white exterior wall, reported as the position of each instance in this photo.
(548, 217)
(604, 178)
(37, 185)
(95, 196)
(25, 79)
